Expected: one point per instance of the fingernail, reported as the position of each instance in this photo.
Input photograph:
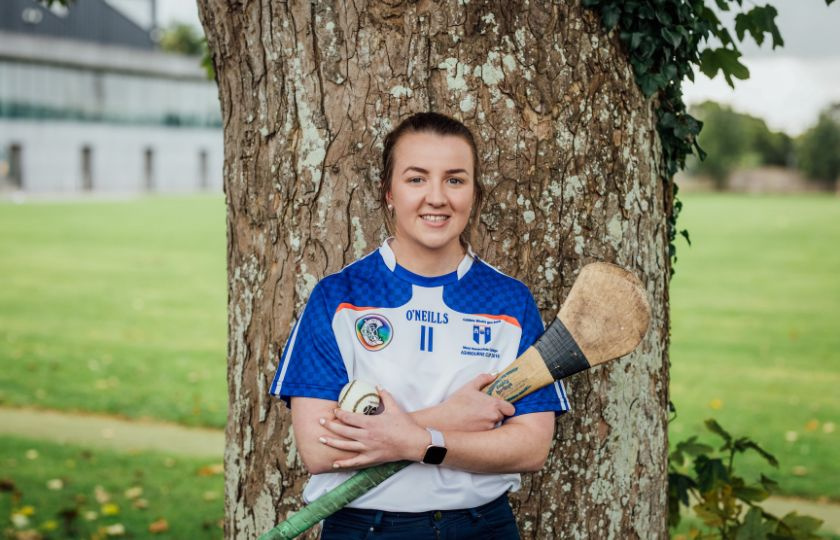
(322, 421)
(335, 465)
(323, 440)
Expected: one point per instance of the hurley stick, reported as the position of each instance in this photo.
(604, 317)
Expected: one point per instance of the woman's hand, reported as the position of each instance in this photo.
(390, 436)
(470, 409)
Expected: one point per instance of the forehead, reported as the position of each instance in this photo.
(432, 151)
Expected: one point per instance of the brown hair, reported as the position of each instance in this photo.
(439, 124)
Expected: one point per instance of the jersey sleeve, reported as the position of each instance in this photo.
(549, 398)
(311, 364)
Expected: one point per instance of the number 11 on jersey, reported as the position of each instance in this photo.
(426, 338)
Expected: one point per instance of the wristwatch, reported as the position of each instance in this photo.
(436, 451)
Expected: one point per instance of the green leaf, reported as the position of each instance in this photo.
(679, 486)
(750, 493)
(672, 37)
(799, 527)
(684, 234)
(714, 427)
(769, 484)
(758, 21)
(743, 444)
(724, 60)
(711, 473)
(754, 527)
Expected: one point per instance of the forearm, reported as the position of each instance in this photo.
(509, 448)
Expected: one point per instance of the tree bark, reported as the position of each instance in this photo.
(573, 173)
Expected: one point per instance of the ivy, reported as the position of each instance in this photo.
(665, 41)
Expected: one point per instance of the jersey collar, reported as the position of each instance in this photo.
(391, 262)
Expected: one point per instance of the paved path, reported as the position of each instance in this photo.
(126, 435)
(110, 432)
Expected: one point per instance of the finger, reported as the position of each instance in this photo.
(506, 408)
(352, 419)
(388, 401)
(481, 380)
(343, 430)
(354, 462)
(342, 444)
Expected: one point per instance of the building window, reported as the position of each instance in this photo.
(87, 168)
(203, 181)
(13, 170)
(149, 169)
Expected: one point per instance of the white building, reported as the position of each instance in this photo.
(88, 104)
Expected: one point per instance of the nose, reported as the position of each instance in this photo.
(436, 196)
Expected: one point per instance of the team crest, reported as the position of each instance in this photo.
(374, 332)
(481, 334)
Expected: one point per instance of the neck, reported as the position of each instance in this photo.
(428, 262)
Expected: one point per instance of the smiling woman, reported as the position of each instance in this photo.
(449, 320)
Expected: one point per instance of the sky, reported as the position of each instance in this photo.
(787, 87)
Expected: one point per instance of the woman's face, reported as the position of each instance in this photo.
(432, 192)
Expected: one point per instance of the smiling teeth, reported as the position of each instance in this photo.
(435, 218)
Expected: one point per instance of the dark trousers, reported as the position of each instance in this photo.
(493, 520)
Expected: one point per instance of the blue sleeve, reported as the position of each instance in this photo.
(311, 364)
(552, 397)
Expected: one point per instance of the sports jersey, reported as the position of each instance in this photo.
(421, 338)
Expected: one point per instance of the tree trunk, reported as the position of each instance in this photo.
(572, 168)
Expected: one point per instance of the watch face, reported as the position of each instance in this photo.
(434, 455)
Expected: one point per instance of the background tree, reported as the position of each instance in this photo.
(182, 38)
(818, 149)
(732, 139)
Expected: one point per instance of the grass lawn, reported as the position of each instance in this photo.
(756, 331)
(72, 492)
(115, 307)
(119, 307)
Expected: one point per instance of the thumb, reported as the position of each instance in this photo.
(481, 380)
(388, 401)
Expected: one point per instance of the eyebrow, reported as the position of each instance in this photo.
(424, 171)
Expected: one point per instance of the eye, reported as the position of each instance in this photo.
(455, 180)
(415, 180)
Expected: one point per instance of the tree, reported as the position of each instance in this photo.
(732, 139)
(819, 147)
(182, 38)
(572, 159)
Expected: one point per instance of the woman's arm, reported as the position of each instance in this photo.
(468, 409)
(317, 457)
(520, 445)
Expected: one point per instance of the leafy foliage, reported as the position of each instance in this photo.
(734, 139)
(819, 147)
(722, 499)
(182, 38)
(665, 40)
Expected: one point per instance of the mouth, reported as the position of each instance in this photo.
(434, 218)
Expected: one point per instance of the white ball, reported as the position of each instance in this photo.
(359, 397)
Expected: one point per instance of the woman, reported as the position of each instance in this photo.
(427, 321)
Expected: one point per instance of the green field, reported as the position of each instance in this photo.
(756, 331)
(119, 307)
(70, 492)
(115, 307)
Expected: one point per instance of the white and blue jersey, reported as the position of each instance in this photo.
(420, 338)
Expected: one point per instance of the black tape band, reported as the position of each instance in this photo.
(561, 354)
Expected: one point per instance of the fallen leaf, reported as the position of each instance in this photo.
(90, 515)
(210, 470)
(27, 510)
(812, 425)
(159, 526)
(210, 495)
(110, 509)
(19, 520)
(101, 494)
(50, 525)
(799, 470)
(117, 529)
(55, 484)
(141, 503)
(791, 436)
(828, 427)
(133, 492)
(31, 454)
(28, 535)
(716, 404)
(169, 462)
